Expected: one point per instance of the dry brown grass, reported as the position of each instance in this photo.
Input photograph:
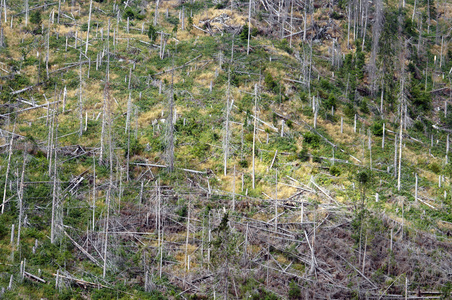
(151, 115)
(205, 78)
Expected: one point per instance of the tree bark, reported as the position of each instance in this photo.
(89, 25)
(254, 135)
(7, 169)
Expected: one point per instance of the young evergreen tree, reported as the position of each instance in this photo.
(152, 33)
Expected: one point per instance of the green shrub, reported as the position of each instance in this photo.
(364, 107)
(182, 212)
(35, 17)
(330, 102)
(284, 45)
(325, 84)
(190, 23)
(337, 16)
(420, 99)
(243, 163)
(363, 177)
(264, 295)
(316, 159)
(244, 33)
(270, 83)
(152, 33)
(129, 13)
(173, 20)
(84, 27)
(303, 155)
(311, 139)
(134, 146)
(3, 229)
(349, 111)
(220, 5)
(335, 170)
(377, 128)
(304, 97)
(434, 167)
(294, 290)
(285, 144)
(418, 126)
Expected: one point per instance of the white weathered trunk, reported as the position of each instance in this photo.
(249, 29)
(7, 170)
(89, 25)
(254, 134)
(400, 158)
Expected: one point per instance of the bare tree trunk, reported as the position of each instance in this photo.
(249, 29)
(276, 201)
(369, 146)
(7, 169)
(129, 110)
(89, 25)
(400, 157)
(381, 100)
(55, 186)
(110, 154)
(170, 148)
(348, 30)
(26, 13)
(183, 18)
(254, 134)
(94, 191)
(415, 190)
(395, 155)
(47, 53)
(156, 14)
(291, 23)
(233, 191)
(21, 198)
(304, 21)
(365, 26)
(110, 185)
(226, 137)
(80, 103)
(187, 267)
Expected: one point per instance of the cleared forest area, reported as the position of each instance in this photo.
(237, 149)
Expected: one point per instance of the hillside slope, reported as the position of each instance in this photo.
(175, 150)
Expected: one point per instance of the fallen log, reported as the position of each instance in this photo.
(28, 108)
(34, 277)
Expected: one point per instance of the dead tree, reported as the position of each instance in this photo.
(26, 13)
(80, 102)
(56, 211)
(7, 168)
(129, 110)
(249, 30)
(156, 14)
(110, 183)
(20, 196)
(376, 32)
(227, 133)
(89, 25)
(254, 135)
